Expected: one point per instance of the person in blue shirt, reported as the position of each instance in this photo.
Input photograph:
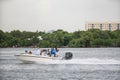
(53, 52)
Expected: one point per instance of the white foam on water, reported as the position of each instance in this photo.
(85, 61)
(92, 61)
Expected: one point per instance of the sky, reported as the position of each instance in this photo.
(46, 15)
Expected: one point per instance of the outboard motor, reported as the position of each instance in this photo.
(68, 55)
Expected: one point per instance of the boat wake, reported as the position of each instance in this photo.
(85, 61)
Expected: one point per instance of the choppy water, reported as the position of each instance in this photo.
(87, 64)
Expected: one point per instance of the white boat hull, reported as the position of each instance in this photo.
(30, 58)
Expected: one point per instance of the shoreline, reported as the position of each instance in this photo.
(60, 47)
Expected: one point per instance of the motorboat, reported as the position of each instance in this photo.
(43, 59)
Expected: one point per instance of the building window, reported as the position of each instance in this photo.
(118, 26)
(109, 27)
(100, 26)
(92, 26)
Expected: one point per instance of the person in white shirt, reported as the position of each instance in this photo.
(37, 52)
(57, 52)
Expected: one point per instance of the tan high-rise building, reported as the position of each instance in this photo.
(111, 26)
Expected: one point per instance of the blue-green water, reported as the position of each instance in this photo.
(87, 64)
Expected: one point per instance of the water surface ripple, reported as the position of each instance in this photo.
(87, 64)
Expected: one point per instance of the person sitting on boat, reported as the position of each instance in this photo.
(57, 52)
(53, 52)
(30, 52)
(48, 52)
(37, 52)
(26, 51)
(43, 52)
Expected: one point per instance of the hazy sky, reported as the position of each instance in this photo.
(45, 15)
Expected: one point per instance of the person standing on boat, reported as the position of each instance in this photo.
(53, 52)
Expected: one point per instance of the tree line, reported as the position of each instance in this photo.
(60, 38)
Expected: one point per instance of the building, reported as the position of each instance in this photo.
(111, 26)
